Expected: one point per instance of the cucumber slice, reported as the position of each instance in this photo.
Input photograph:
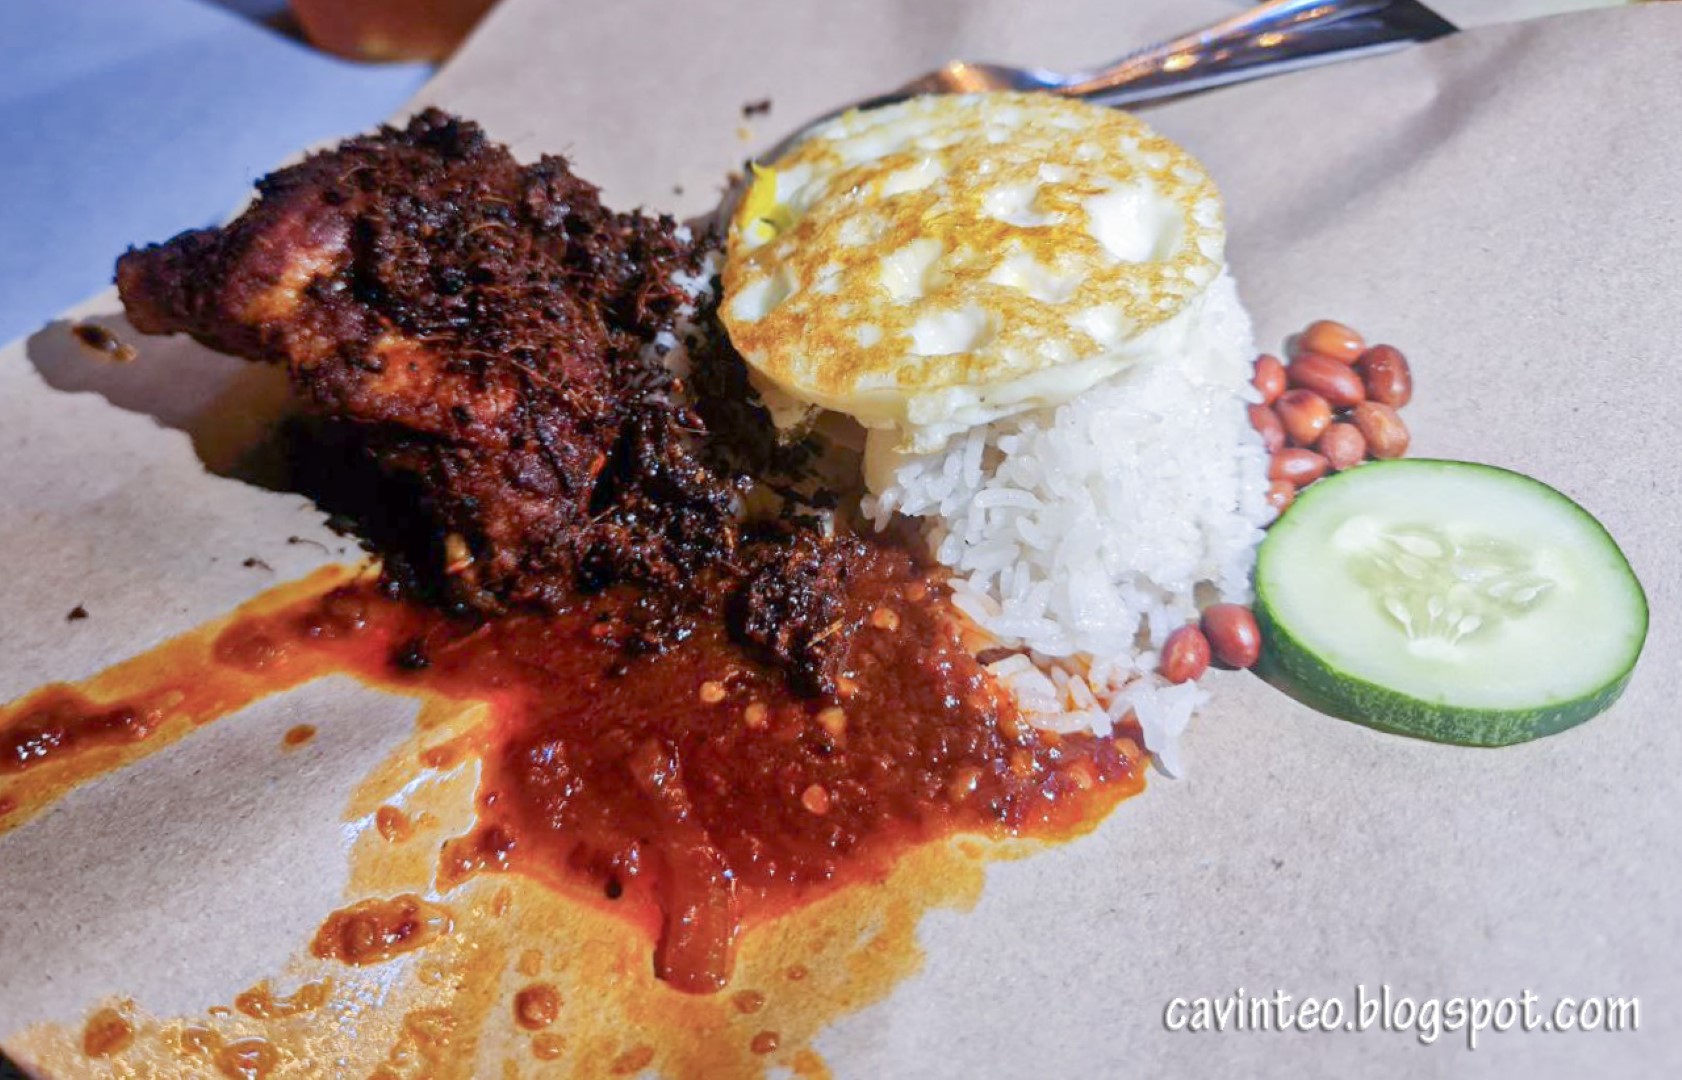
(1449, 601)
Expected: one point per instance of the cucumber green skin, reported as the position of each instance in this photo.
(1298, 671)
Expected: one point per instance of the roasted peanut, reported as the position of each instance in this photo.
(1343, 446)
(1296, 467)
(1384, 372)
(1269, 378)
(1333, 339)
(1331, 379)
(1266, 423)
(1280, 494)
(1234, 637)
(1386, 435)
(1185, 655)
(1304, 415)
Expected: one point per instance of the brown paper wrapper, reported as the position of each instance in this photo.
(1501, 204)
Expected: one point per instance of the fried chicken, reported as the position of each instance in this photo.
(486, 332)
(483, 323)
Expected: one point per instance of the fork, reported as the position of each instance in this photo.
(1273, 37)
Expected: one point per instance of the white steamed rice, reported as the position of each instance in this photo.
(1084, 532)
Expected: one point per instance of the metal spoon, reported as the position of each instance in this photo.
(1282, 35)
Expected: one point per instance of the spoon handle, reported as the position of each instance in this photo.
(1278, 36)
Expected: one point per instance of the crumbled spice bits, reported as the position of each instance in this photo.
(834, 721)
(815, 799)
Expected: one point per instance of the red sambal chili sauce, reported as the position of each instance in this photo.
(697, 786)
(692, 790)
(57, 722)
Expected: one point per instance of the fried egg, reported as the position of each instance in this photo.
(947, 261)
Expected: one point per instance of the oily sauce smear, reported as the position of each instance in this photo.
(691, 791)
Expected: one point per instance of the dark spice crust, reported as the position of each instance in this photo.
(480, 331)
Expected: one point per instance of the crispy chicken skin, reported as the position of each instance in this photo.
(484, 330)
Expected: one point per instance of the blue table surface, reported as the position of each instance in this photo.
(126, 121)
